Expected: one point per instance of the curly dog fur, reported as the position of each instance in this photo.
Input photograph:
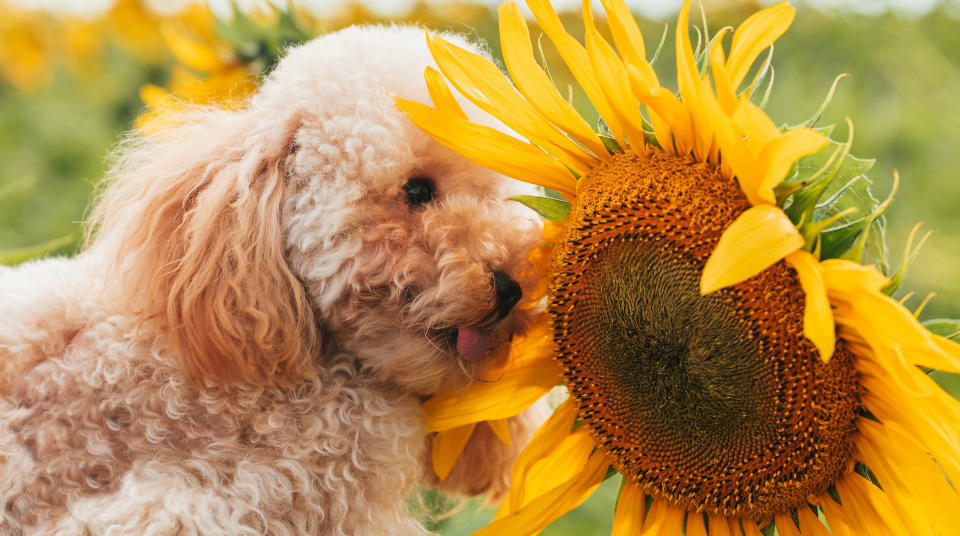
(244, 344)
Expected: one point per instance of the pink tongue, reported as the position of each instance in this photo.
(472, 343)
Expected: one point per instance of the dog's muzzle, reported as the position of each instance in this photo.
(508, 293)
(473, 342)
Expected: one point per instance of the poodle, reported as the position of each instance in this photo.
(267, 296)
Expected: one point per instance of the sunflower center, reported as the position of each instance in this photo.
(714, 403)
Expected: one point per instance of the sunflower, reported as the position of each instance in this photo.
(220, 61)
(726, 349)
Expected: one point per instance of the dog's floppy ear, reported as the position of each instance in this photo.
(192, 223)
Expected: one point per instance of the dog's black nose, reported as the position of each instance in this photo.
(508, 293)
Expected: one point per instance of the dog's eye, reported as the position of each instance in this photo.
(419, 190)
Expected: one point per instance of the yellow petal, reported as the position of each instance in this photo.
(440, 93)
(608, 68)
(663, 518)
(779, 156)
(887, 324)
(867, 509)
(194, 54)
(491, 148)
(628, 516)
(695, 525)
(534, 83)
(718, 526)
(509, 392)
(847, 279)
(755, 124)
(544, 441)
(726, 93)
(912, 482)
(664, 105)
(629, 41)
(480, 81)
(928, 419)
(501, 428)
(759, 237)
(153, 96)
(834, 516)
(564, 461)
(577, 60)
(749, 527)
(754, 36)
(447, 446)
(626, 33)
(547, 508)
(810, 525)
(786, 526)
(817, 315)
(688, 78)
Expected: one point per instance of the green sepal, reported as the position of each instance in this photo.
(547, 207)
(872, 229)
(865, 472)
(10, 257)
(611, 471)
(663, 40)
(811, 180)
(948, 381)
(811, 231)
(809, 123)
(909, 256)
(945, 327)
(758, 79)
(611, 143)
(830, 185)
(651, 138)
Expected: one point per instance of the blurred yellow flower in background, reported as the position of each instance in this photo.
(28, 42)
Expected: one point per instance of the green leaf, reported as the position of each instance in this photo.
(547, 207)
(10, 257)
(945, 327)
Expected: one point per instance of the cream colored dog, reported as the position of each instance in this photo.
(270, 294)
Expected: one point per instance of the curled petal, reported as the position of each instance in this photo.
(761, 236)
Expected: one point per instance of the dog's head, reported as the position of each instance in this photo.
(319, 216)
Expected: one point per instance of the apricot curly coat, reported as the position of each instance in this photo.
(244, 345)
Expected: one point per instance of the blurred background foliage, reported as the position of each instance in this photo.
(72, 86)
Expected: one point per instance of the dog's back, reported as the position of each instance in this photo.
(100, 429)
